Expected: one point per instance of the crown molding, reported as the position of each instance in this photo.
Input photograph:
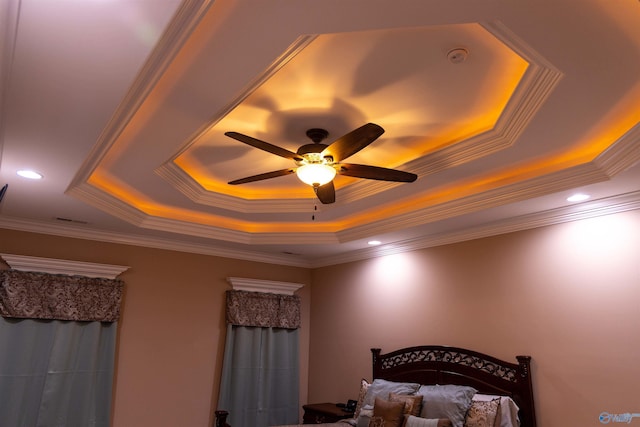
(580, 175)
(126, 212)
(536, 86)
(183, 23)
(242, 237)
(608, 206)
(9, 15)
(107, 203)
(622, 154)
(183, 182)
(539, 186)
(76, 232)
(265, 286)
(62, 266)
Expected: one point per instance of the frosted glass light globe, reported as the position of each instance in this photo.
(316, 174)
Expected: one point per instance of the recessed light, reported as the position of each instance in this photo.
(578, 197)
(29, 174)
(374, 242)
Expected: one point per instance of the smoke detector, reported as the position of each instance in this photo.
(457, 55)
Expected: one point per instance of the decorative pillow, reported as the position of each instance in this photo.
(387, 414)
(382, 388)
(364, 386)
(446, 401)
(508, 413)
(411, 421)
(482, 413)
(364, 417)
(412, 404)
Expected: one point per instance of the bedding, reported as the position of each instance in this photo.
(508, 410)
(412, 404)
(412, 421)
(483, 410)
(459, 388)
(483, 413)
(387, 413)
(446, 401)
(340, 424)
(382, 389)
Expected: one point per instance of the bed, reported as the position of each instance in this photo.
(430, 365)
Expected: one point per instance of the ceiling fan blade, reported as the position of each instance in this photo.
(326, 193)
(375, 172)
(262, 145)
(353, 142)
(262, 176)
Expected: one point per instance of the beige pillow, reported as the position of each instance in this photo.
(412, 404)
(387, 414)
(482, 413)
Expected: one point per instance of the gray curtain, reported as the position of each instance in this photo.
(56, 373)
(260, 370)
(260, 376)
(57, 349)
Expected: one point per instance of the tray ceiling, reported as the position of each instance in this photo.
(502, 111)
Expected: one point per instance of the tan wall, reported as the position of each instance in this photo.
(568, 295)
(172, 329)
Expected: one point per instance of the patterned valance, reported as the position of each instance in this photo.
(263, 310)
(51, 296)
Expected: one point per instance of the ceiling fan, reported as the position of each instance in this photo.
(317, 163)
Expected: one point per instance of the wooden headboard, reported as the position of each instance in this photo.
(430, 364)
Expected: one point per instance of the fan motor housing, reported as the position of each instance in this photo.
(311, 148)
(316, 135)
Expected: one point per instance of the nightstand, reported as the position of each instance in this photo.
(317, 413)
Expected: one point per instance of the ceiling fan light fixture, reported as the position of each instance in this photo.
(317, 164)
(316, 174)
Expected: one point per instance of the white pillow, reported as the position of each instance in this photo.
(382, 388)
(420, 422)
(446, 401)
(508, 409)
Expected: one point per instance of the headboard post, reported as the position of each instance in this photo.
(221, 419)
(524, 362)
(375, 354)
(524, 368)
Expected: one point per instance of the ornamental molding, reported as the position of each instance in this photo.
(62, 266)
(265, 286)
(454, 357)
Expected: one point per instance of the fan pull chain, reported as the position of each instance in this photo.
(315, 208)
